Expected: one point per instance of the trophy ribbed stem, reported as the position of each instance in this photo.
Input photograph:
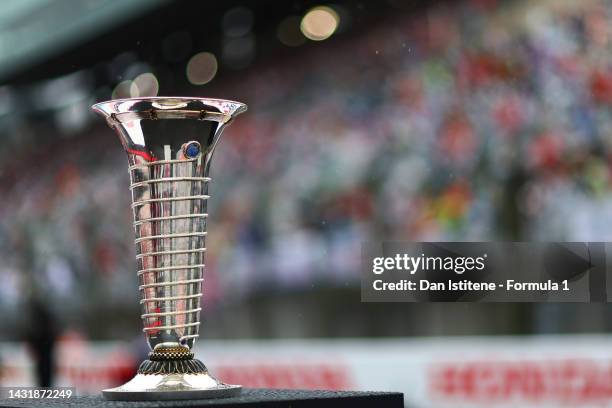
(169, 204)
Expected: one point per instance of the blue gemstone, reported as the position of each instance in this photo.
(192, 150)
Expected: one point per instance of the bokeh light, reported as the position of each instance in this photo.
(238, 53)
(122, 90)
(237, 22)
(202, 68)
(144, 85)
(288, 32)
(320, 23)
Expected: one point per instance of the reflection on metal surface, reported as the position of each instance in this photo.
(169, 161)
(171, 387)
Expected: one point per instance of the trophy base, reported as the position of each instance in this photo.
(150, 387)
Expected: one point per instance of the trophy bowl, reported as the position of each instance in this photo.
(169, 142)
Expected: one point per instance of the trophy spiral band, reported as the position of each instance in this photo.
(169, 161)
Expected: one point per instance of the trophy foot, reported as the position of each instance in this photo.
(149, 387)
(171, 375)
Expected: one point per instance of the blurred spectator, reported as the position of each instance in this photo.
(41, 336)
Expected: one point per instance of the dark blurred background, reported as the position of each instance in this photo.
(466, 120)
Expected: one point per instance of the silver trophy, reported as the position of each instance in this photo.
(169, 143)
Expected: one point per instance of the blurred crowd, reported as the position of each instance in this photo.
(469, 121)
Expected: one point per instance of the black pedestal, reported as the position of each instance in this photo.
(249, 398)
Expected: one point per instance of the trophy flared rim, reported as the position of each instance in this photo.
(178, 106)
